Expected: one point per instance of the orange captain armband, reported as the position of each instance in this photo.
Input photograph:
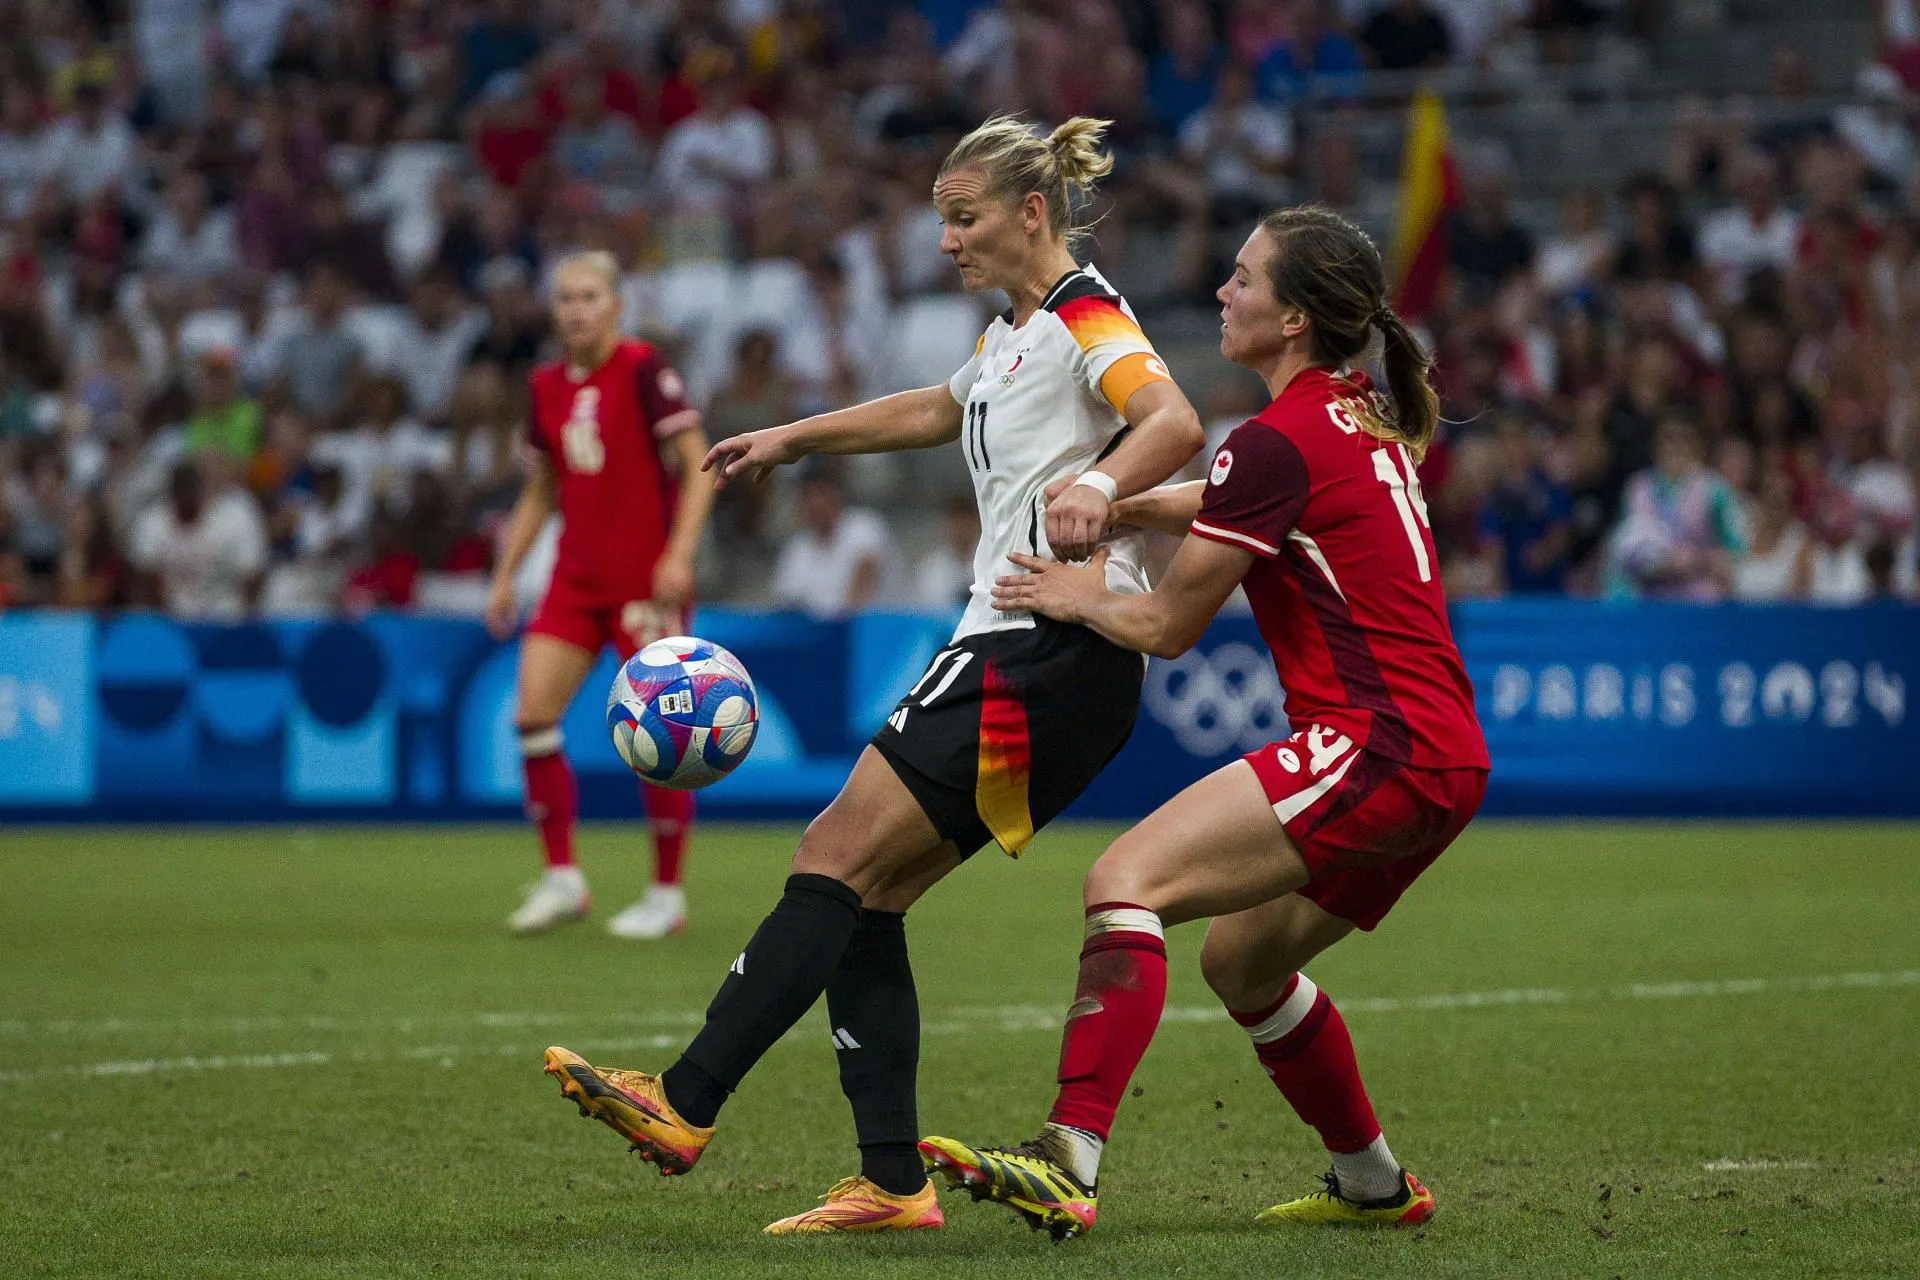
(1130, 373)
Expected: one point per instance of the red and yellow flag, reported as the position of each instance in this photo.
(1429, 190)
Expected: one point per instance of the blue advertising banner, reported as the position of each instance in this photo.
(1588, 709)
(46, 710)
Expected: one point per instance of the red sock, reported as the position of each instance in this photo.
(1116, 1009)
(1302, 1041)
(552, 798)
(670, 814)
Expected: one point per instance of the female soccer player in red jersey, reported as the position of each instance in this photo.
(617, 451)
(1313, 505)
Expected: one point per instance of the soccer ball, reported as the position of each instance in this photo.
(683, 713)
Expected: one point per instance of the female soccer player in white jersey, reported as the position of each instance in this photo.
(1062, 408)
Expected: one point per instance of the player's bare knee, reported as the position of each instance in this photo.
(833, 847)
(1121, 874)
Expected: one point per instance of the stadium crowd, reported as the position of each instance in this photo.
(271, 276)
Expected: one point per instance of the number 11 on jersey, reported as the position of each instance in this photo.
(976, 445)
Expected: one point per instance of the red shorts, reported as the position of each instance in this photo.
(588, 623)
(1366, 826)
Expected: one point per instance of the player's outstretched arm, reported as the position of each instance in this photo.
(1170, 508)
(530, 511)
(909, 420)
(1166, 433)
(1165, 622)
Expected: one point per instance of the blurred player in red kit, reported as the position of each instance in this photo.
(1314, 507)
(616, 451)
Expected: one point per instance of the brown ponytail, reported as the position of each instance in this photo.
(1409, 368)
(1330, 269)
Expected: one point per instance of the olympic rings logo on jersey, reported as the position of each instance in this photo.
(1226, 700)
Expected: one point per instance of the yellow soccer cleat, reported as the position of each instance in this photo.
(1026, 1179)
(633, 1105)
(855, 1204)
(1328, 1208)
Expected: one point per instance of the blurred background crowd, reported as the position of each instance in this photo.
(271, 271)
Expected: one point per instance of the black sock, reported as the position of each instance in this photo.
(875, 1014)
(771, 986)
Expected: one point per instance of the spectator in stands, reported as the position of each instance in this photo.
(225, 420)
(431, 344)
(597, 146)
(504, 38)
(510, 135)
(1658, 245)
(1180, 76)
(1243, 147)
(839, 559)
(23, 155)
(515, 324)
(1645, 400)
(1679, 531)
(357, 245)
(1879, 128)
(1758, 232)
(1581, 256)
(1529, 515)
(201, 553)
(380, 457)
(319, 361)
(1317, 62)
(944, 577)
(707, 164)
(38, 505)
(1406, 35)
(1486, 246)
(1789, 114)
(189, 241)
(759, 395)
(1479, 30)
(1778, 561)
(91, 149)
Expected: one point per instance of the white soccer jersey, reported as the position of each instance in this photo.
(1043, 401)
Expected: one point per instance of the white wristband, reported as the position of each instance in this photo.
(1100, 481)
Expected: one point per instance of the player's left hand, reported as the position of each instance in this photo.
(673, 579)
(1076, 518)
(1051, 589)
(751, 455)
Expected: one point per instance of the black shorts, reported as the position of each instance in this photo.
(1007, 728)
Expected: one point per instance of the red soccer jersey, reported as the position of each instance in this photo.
(602, 432)
(1346, 586)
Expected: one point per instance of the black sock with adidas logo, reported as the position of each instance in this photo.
(875, 1013)
(779, 976)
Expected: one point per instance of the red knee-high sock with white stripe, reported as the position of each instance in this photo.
(670, 814)
(1116, 1008)
(1302, 1042)
(552, 797)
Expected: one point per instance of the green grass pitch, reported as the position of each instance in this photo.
(1612, 1050)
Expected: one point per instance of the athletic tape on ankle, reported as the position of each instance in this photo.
(1123, 920)
(1291, 1013)
(541, 742)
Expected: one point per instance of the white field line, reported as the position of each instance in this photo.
(962, 1021)
(1754, 1166)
